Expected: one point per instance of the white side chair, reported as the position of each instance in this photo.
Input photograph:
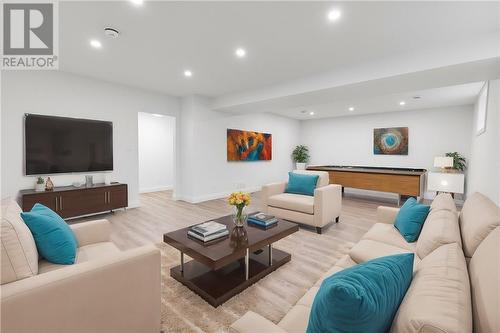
(317, 211)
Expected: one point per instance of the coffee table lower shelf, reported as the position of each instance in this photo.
(216, 287)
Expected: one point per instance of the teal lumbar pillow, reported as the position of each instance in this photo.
(410, 219)
(299, 183)
(54, 239)
(362, 298)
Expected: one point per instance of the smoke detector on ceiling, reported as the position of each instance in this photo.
(111, 32)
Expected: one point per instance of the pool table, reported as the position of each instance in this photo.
(406, 182)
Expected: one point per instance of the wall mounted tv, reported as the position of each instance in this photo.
(65, 145)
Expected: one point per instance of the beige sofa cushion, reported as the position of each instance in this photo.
(438, 299)
(478, 218)
(19, 253)
(443, 201)
(324, 177)
(368, 249)
(484, 271)
(295, 202)
(388, 234)
(85, 253)
(440, 228)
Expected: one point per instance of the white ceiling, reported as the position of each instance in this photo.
(284, 41)
(464, 94)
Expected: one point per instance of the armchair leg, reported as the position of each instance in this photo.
(318, 230)
(337, 219)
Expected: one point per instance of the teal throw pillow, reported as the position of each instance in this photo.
(410, 219)
(299, 183)
(54, 239)
(362, 298)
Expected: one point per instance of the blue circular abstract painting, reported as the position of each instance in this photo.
(390, 141)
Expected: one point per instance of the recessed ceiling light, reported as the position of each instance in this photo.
(240, 52)
(334, 15)
(137, 2)
(95, 44)
(311, 113)
(351, 108)
(188, 73)
(402, 103)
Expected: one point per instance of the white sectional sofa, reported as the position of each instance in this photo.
(456, 272)
(105, 291)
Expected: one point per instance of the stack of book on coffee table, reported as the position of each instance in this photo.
(262, 220)
(208, 231)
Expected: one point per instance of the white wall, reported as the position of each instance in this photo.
(207, 174)
(349, 140)
(484, 164)
(156, 152)
(62, 94)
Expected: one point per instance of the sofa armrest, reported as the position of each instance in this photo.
(91, 232)
(118, 293)
(270, 190)
(252, 322)
(327, 204)
(387, 214)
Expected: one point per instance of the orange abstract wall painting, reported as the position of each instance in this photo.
(248, 146)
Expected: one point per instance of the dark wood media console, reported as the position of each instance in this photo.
(70, 201)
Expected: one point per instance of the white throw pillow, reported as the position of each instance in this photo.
(19, 254)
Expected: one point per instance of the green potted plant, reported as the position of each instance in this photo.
(300, 156)
(40, 185)
(459, 162)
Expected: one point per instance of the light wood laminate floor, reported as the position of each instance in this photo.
(159, 213)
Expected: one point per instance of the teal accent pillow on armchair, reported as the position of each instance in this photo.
(54, 239)
(410, 219)
(299, 183)
(362, 298)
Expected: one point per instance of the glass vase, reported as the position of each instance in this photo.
(240, 217)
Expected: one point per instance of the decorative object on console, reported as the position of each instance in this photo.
(53, 237)
(89, 181)
(300, 156)
(410, 219)
(362, 298)
(459, 162)
(248, 146)
(49, 185)
(299, 183)
(107, 180)
(240, 200)
(390, 141)
(40, 185)
(443, 162)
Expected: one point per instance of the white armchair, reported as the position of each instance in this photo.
(317, 211)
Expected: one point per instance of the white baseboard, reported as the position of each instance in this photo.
(213, 196)
(156, 189)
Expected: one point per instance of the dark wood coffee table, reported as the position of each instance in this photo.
(224, 268)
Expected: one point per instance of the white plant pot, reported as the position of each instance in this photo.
(300, 166)
(39, 187)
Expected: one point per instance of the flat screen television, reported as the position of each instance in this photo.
(65, 145)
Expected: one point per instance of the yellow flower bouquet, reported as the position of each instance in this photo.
(240, 200)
